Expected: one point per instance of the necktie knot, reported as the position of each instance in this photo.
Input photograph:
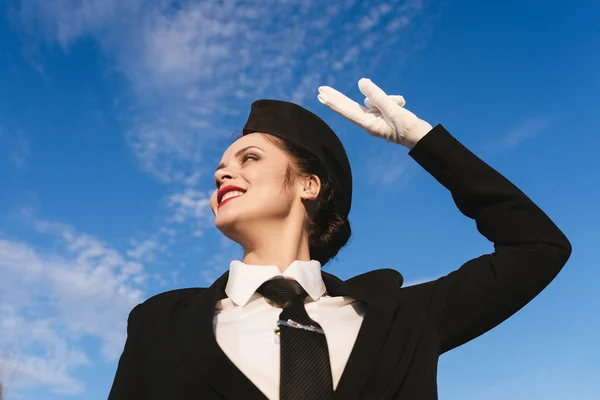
(282, 291)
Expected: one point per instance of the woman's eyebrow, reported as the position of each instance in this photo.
(237, 154)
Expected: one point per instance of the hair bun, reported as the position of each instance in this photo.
(325, 241)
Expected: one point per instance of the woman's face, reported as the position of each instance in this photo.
(251, 188)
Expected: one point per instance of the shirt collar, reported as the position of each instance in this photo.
(245, 279)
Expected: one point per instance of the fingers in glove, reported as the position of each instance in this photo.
(378, 97)
(395, 98)
(341, 104)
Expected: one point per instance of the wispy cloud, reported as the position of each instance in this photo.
(144, 250)
(389, 165)
(53, 299)
(192, 207)
(193, 66)
(49, 367)
(526, 130)
(219, 261)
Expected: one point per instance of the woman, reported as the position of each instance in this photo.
(274, 326)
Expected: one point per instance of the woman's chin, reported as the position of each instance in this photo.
(228, 224)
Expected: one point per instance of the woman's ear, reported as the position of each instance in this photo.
(311, 187)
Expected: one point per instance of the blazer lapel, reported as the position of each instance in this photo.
(198, 346)
(195, 339)
(378, 290)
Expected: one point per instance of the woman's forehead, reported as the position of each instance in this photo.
(251, 139)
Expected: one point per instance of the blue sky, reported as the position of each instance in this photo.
(114, 113)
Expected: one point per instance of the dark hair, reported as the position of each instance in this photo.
(329, 230)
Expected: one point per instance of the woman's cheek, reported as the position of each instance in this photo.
(213, 202)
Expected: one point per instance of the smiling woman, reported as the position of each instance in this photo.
(283, 182)
(275, 326)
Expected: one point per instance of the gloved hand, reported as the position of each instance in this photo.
(383, 116)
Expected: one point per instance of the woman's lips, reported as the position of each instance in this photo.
(226, 189)
(228, 200)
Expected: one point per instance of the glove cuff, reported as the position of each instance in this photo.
(415, 133)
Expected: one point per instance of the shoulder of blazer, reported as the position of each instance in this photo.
(163, 303)
(172, 296)
(376, 285)
(385, 284)
(385, 279)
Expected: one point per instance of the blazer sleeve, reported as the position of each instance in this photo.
(128, 382)
(529, 250)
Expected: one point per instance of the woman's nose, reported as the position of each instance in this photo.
(222, 176)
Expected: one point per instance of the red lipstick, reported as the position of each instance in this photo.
(226, 189)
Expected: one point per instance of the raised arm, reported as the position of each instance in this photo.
(529, 249)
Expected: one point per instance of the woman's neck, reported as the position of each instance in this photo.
(279, 247)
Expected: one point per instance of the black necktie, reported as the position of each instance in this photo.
(305, 372)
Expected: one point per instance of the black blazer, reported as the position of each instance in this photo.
(171, 351)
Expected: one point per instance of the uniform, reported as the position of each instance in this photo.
(171, 351)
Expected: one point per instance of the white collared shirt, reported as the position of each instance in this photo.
(245, 322)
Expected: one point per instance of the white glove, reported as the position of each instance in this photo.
(383, 116)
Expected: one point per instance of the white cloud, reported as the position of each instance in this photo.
(528, 129)
(389, 165)
(192, 69)
(49, 368)
(195, 66)
(51, 300)
(191, 205)
(66, 21)
(373, 16)
(219, 262)
(143, 250)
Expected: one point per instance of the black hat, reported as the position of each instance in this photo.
(300, 126)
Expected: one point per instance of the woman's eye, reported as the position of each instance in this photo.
(247, 157)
